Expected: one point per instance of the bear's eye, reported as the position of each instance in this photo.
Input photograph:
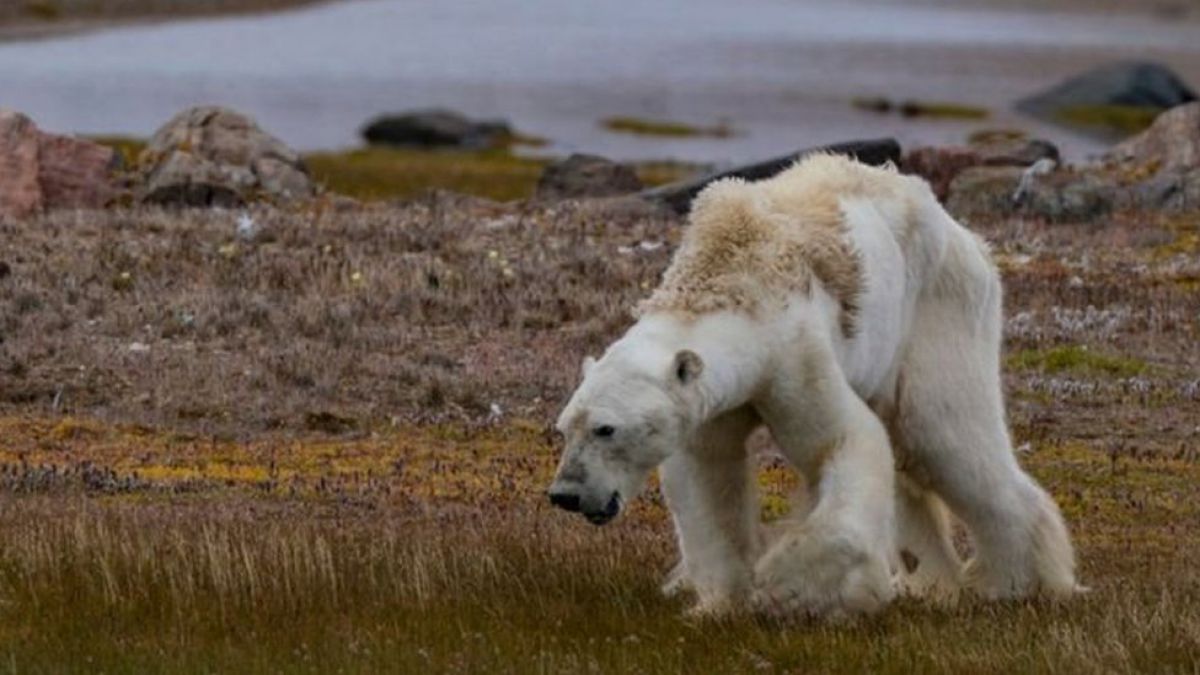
(604, 431)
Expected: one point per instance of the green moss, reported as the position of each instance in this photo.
(647, 127)
(942, 110)
(1076, 359)
(396, 173)
(1123, 119)
(399, 173)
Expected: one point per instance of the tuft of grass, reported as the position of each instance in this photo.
(1122, 120)
(665, 128)
(1076, 359)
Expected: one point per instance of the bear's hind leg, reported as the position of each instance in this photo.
(950, 418)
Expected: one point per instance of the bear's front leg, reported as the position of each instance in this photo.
(838, 560)
(711, 491)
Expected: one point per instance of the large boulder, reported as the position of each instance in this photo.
(1172, 143)
(1111, 98)
(435, 127)
(41, 171)
(586, 176)
(210, 156)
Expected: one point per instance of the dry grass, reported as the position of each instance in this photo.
(298, 466)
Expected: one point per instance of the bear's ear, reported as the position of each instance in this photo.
(588, 362)
(687, 367)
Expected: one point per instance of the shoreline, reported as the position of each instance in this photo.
(25, 28)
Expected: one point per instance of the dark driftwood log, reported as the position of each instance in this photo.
(679, 195)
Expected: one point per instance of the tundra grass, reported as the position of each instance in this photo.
(405, 562)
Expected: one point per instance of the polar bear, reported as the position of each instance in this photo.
(842, 307)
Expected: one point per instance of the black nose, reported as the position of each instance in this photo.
(565, 500)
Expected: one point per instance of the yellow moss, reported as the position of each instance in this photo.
(1120, 118)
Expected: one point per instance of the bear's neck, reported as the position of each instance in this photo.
(731, 345)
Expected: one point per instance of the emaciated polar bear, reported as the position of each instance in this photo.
(840, 305)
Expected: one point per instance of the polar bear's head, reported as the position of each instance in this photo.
(630, 413)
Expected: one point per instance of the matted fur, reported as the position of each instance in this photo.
(752, 244)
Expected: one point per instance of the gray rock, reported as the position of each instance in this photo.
(1014, 151)
(586, 176)
(1137, 84)
(1145, 85)
(990, 192)
(435, 127)
(209, 156)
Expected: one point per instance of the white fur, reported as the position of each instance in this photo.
(920, 373)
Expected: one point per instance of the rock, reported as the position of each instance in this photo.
(940, 165)
(1168, 190)
(1012, 151)
(210, 156)
(1063, 195)
(41, 171)
(1172, 143)
(678, 196)
(76, 173)
(1129, 85)
(20, 189)
(586, 176)
(435, 127)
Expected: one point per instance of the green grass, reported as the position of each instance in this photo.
(1076, 359)
(387, 173)
(665, 128)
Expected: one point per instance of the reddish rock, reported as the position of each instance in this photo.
(41, 171)
(940, 165)
(76, 174)
(20, 189)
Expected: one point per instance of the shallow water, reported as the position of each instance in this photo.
(781, 71)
